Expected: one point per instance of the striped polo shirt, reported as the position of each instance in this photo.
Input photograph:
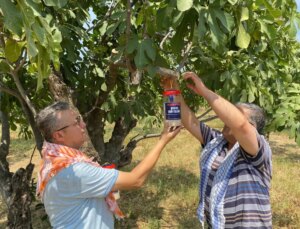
(247, 199)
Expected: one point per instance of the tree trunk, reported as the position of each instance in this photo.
(59, 90)
(115, 145)
(5, 175)
(15, 188)
(19, 214)
(31, 119)
(95, 127)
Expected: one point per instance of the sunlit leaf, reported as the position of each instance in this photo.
(183, 5)
(56, 3)
(104, 87)
(243, 38)
(244, 14)
(12, 50)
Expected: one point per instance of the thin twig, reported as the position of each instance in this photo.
(164, 39)
(32, 154)
(185, 56)
(209, 119)
(94, 107)
(108, 14)
(22, 62)
(128, 26)
(205, 113)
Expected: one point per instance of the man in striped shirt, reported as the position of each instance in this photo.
(235, 163)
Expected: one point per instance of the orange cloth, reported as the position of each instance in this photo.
(57, 157)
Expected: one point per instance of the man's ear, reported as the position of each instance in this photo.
(57, 136)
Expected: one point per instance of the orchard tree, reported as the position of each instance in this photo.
(104, 58)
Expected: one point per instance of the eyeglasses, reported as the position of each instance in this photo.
(78, 120)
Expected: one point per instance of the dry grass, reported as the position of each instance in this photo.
(170, 196)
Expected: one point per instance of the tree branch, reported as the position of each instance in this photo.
(111, 82)
(185, 56)
(9, 91)
(22, 92)
(21, 62)
(164, 72)
(204, 113)
(164, 39)
(128, 26)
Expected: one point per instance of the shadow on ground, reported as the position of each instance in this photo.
(145, 206)
(287, 152)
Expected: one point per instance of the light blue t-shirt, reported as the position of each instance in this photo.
(74, 198)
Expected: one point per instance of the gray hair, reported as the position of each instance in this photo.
(256, 115)
(46, 119)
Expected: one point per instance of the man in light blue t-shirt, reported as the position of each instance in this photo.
(76, 195)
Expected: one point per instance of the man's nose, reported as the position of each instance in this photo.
(82, 124)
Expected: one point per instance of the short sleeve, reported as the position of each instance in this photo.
(262, 161)
(208, 133)
(88, 181)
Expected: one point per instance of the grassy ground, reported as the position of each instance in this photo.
(170, 196)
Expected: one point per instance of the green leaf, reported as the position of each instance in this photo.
(12, 50)
(132, 44)
(103, 86)
(183, 5)
(218, 37)
(243, 96)
(267, 29)
(149, 48)
(4, 67)
(201, 29)
(176, 20)
(56, 3)
(224, 76)
(140, 58)
(276, 13)
(105, 106)
(103, 28)
(99, 72)
(40, 34)
(140, 18)
(232, 2)
(12, 17)
(224, 18)
(151, 70)
(43, 65)
(235, 79)
(163, 17)
(57, 37)
(243, 38)
(31, 47)
(112, 27)
(244, 14)
(251, 97)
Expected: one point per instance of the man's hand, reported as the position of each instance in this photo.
(194, 83)
(169, 132)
